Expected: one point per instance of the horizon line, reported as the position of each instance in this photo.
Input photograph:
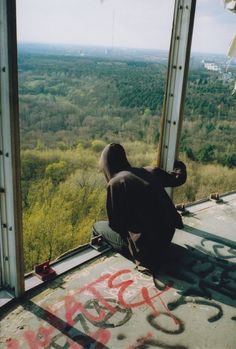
(110, 47)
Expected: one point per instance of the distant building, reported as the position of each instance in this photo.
(227, 76)
(211, 66)
(234, 90)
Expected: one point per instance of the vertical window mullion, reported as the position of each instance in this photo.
(178, 64)
(11, 220)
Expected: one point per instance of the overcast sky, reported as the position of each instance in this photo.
(123, 23)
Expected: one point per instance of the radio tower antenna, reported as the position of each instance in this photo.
(113, 29)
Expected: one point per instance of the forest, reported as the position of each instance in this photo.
(71, 107)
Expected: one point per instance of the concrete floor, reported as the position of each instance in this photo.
(108, 304)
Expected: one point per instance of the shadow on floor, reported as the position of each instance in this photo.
(202, 274)
(212, 237)
(73, 335)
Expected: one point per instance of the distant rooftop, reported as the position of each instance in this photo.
(106, 303)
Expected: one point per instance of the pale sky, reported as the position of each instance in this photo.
(123, 23)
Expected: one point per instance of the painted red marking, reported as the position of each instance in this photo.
(40, 339)
(91, 288)
(102, 336)
(74, 345)
(72, 306)
(141, 341)
(147, 299)
(12, 344)
(43, 336)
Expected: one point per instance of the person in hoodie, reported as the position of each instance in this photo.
(141, 216)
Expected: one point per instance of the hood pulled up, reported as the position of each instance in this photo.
(113, 160)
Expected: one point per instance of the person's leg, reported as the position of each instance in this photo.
(153, 251)
(112, 237)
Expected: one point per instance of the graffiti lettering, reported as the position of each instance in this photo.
(216, 250)
(186, 300)
(149, 342)
(40, 339)
(62, 342)
(152, 319)
(85, 318)
(147, 299)
(206, 273)
(73, 306)
(94, 304)
(12, 344)
(98, 311)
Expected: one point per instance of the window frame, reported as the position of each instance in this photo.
(11, 232)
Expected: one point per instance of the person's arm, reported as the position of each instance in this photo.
(175, 178)
(116, 205)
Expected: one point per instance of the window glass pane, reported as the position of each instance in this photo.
(208, 142)
(91, 72)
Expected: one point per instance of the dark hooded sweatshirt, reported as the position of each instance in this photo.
(138, 207)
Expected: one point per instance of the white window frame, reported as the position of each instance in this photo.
(11, 237)
(178, 65)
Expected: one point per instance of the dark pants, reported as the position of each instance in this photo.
(146, 251)
(112, 238)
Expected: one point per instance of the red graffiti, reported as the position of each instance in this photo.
(102, 336)
(12, 344)
(141, 341)
(40, 339)
(43, 337)
(72, 306)
(144, 291)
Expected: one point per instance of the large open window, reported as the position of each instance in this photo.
(208, 141)
(94, 72)
(90, 73)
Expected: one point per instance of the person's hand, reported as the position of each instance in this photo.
(178, 166)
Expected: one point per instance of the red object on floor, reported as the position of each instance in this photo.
(44, 271)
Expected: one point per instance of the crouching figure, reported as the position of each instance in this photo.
(141, 216)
